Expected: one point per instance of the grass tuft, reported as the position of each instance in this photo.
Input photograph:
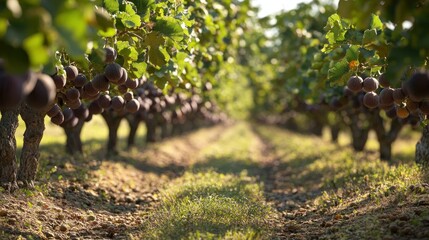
(210, 205)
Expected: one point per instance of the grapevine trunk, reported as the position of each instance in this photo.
(164, 130)
(359, 132)
(133, 122)
(113, 121)
(385, 136)
(151, 128)
(335, 132)
(8, 166)
(359, 138)
(422, 148)
(74, 142)
(34, 128)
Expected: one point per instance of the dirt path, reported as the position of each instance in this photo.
(89, 199)
(326, 191)
(316, 189)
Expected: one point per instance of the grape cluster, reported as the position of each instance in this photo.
(36, 89)
(175, 108)
(411, 98)
(79, 98)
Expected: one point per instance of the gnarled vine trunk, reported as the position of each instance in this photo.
(164, 130)
(291, 123)
(177, 127)
(359, 139)
(335, 132)
(334, 126)
(359, 133)
(151, 128)
(34, 128)
(74, 141)
(385, 137)
(133, 121)
(317, 123)
(113, 120)
(422, 148)
(8, 166)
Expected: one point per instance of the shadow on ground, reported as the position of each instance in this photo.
(297, 188)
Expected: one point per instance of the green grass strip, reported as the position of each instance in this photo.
(210, 205)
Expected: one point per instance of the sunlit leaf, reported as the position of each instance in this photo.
(138, 69)
(34, 45)
(169, 27)
(352, 53)
(111, 5)
(340, 68)
(104, 20)
(376, 22)
(369, 36)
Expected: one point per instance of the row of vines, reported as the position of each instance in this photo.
(356, 67)
(177, 65)
(171, 64)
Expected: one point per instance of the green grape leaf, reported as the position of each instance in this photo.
(3, 26)
(376, 22)
(316, 65)
(383, 50)
(352, 53)
(129, 17)
(359, 16)
(111, 5)
(133, 55)
(337, 71)
(96, 57)
(143, 6)
(130, 54)
(169, 27)
(369, 36)
(108, 33)
(153, 42)
(131, 21)
(156, 56)
(16, 59)
(121, 45)
(138, 69)
(333, 19)
(354, 36)
(366, 54)
(153, 39)
(104, 21)
(374, 61)
(72, 28)
(180, 59)
(346, 8)
(165, 53)
(336, 29)
(161, 82)
(34, 45)
(375, 70)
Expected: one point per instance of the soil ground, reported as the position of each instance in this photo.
(316, 189)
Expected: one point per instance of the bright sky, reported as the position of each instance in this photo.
(268, 7)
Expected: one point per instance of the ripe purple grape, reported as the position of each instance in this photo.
(370, 100)
(355, 84)
(71, 72)
(370, 84)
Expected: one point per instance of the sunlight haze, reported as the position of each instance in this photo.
(268, 7)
